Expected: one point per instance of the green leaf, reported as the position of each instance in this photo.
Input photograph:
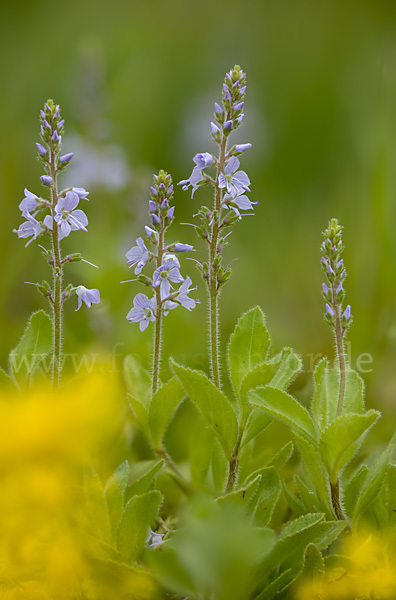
(290, 365)
(139, 514)
(115, 495)
(374, 480)
(278, 585)
(314, 567)
(140, 414)
(201, 440)
(342, 439)
(248, 346)
(354, 393)
(171, 573)
(319, 407)
(138, 380)
(353, 488)
(268, 493)
(35, 344)
(257, 421)
(281, 457)
(308, 497)
(145, 480)
(219, 465)
(284, 407)
(260, 375)
(162, 408)
(97, 510)
(353, 396)
(312, 459)
(213, 404)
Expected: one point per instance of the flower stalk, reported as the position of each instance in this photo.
(230, 186)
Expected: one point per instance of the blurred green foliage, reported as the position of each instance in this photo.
(136, 82)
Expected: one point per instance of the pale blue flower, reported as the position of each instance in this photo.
(165, 274)
(184, 290)
(46, 179)
(138, 255)
(66, 158)
(81, 192)
(242, 202)
(203, 160)
(183, 247)
(29, 203)
(236, 182)
(153, 539)
(88, 296)
(142, 311)
(347, 313)
(67, 218)
(41, 149)
(28, 228)
(194, 180)
(329, 310)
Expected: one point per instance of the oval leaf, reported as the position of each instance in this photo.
(213, 405)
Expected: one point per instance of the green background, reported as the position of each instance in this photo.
(136, 82)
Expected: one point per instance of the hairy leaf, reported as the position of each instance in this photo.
(162, 407)
(248, 346)
(284, 407)
(342, 438)
(213, 405)
(35, 344)
(139, 514)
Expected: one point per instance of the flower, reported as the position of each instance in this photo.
(29, 203)
(66, 158)
(138, 255)
(153, 539)
(46, 179)
(194, 180)
(28, 228)
(167, 272)
(329, 310)
(183, 247)
(347, 313)
(236, 182)
(81, 192)
(41, 149)
(89, 296)
(142, 311)
(203, 160)
(184, 290)
(242, 202)
(67, 218)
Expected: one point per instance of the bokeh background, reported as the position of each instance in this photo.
(136, 81)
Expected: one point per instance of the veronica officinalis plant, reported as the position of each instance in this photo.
(229, 185)
(167, 269)
(61, 218)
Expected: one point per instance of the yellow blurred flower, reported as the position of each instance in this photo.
(46, 439)
(367, 570)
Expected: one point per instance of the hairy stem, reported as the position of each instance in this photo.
(339, 339)
(335, 500)
(158, 316)
(57, 269)
(234, 462)
(213, 287)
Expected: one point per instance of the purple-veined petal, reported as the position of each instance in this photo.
(70, 201)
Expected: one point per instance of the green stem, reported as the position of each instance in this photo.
(234, 462)
(158, 315)
(212, 283)
(57, 269)
(339, 339)
(335, 499)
